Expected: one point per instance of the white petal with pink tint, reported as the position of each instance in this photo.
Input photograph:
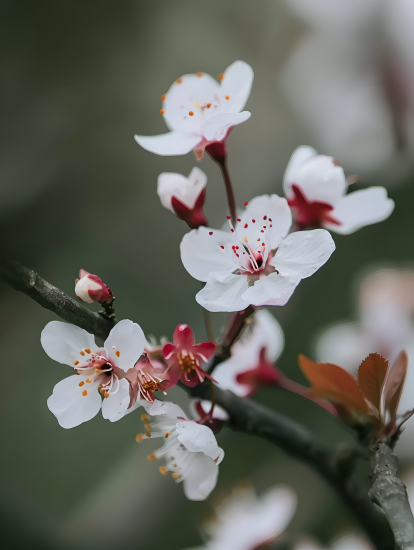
(273, 290)
(174, 143)
(224, 292)
(217, 127)
(237, 84)
(71, 405)
(115, 406)
(185, 189)
(62, 342)
(201, 477)
(201, 253)
(304, 252)
(317, 175)
(125, 344)
(361, 208)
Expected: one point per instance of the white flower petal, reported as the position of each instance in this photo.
(273, 290)
(198, 438)
(237, 83)
(361, 208)
(192, 94)
(127, 340)
(201, 477)
(185, 189)
(68, 403)
(63, 342)
(115, 406)
(167, 408)
(274, 207)
(317, 175)
(345, 345)
(217, 126)
(173, 143)
(223, 292)
(201, 253)
(304, 252)
(278, 508)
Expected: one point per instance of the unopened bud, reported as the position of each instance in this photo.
(90, 288)
(185, 197)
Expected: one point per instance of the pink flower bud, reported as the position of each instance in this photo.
(185, 197)
(90, 288)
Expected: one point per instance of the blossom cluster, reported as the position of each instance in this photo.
(267, 246)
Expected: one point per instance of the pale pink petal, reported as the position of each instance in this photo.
(278, 219)
(115, 406)
(304, 252)
(361, 208)
(216, 127)
(73, 404)
(192, 94)
(200, 477)
(237, 83)
(223, 292)
(317, 175)
(62, 342)
(174, 143)
(273, 290)
(201, 252)
(125, 344)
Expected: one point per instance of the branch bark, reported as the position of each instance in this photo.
(245, 416)
(390, 493)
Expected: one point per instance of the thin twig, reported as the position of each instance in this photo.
(245, 415)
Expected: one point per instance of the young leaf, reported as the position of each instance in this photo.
(371, 377)
(394, 384)
(335, 383)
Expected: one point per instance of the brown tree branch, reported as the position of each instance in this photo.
(245, 416)
(390, 493)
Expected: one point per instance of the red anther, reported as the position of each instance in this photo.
(245, 225)
(210, 232)
(246, 203)
(228, 217)
(271, 225)
(221, 246)
(237, 247)
(238, 219)
(265, 217)
(264, 227)
(254, 221)
(237, 255)
(270, 219)
(233, 247)
(262, 231)
(232, 230)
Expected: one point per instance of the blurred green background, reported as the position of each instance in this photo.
(78, 80)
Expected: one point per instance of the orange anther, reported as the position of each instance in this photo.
(191, 113)
(82, 353)
(117, 353)
(179, 80)
(199, 74)
(163, 470)
(162, 111)
(227, 96)
(167, 435)
(151, 457)
(106, 395)
(84, 393)
(148, 434)
(102, 391)
(76, 362)
(138, 439)
(88, 380)
(144, 417)
(147, 427)
(81, 384)
(208, 105)
(163, 97)
(258, 239)
(176, 476)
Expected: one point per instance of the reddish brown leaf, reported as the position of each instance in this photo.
(335, 383)
(371, 377)
(394, 384)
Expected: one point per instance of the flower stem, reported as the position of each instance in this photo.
(229, 189)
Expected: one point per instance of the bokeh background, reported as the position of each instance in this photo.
(78, 80)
